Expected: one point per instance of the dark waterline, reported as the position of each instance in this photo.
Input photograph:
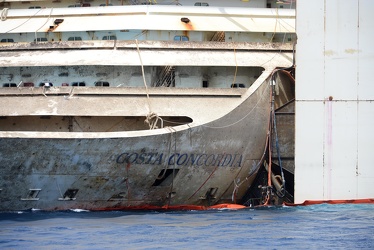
(311, 227)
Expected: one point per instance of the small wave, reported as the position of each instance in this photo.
(79, 210)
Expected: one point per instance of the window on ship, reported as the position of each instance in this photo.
(46, 84)
(40, 39)
(28, 84)
(7, 40)
(78, 84)
(109, 38)
(201, 4)
(181, 38)
(9, 85)
(75, 38)
(101, 84)
(237, 85)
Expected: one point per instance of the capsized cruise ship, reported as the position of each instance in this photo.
(140, 104)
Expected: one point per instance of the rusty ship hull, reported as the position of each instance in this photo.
(126, 117)
(180, 165)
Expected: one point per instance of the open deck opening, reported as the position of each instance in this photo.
(85, 123)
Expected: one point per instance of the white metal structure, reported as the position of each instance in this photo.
(144, 17)
(334, 100)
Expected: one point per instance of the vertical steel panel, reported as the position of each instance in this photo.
(340, 150)
(341, 49)
(309, 86)
(309, 150)
(365, 169)
(334, 100)
(309, 55)
(366, 50)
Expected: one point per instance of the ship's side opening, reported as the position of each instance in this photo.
(84, 123)
(165, 177)
(130, 76)
(69, 194)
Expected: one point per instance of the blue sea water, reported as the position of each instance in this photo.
(310, 227)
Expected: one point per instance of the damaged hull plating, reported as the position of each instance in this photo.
(182, 165)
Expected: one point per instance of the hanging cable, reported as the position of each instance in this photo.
(237, 186)
(241, 119)
(268, 189)
(49, 16)
(274, 129)
(175, 165)
(19, 24)
(282, 192)
(142, 67)
(236, 67)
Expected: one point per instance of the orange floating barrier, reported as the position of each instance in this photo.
(227, 206)
(174, 208)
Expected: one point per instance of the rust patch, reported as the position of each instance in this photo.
(56, 23)
(189, 26)
(352, 51)
(329, 53)
(187, 23)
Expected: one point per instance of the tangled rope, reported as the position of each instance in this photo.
(4, 14)
(152, 120)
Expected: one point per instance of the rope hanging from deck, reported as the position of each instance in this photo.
(151, 118)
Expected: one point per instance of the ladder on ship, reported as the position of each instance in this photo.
(219, 36)
(166, 77)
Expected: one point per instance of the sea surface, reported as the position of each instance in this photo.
(305, 227)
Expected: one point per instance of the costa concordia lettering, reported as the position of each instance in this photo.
(181, 159)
